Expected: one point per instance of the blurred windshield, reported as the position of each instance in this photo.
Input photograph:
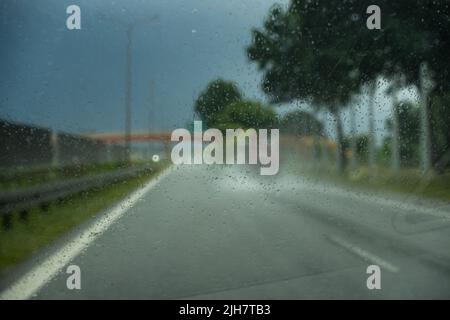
(240, 149)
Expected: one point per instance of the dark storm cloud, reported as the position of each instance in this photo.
(75, 80)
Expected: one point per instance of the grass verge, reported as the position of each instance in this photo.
(408, 181)
(41, 227)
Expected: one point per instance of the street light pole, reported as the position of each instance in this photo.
(129, 76)
(128, 85)
(128, 89)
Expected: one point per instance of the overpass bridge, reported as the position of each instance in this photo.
(117, 137)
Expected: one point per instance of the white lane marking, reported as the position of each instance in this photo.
(36, 278)
(364, 254)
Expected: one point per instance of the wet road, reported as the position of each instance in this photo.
(228, 233)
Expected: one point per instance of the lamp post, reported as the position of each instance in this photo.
(129, 76)
(128, 89)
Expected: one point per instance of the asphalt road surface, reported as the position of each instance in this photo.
(227, 233)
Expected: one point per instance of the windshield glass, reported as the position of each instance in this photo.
(240, 149)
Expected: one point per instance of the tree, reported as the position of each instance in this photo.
(246, 114)
(394, 127)
(213, 100)
(418, 44)
(440, 132)
(408, 116)
(303, 58)
(362, 147)
(301, 123)
(322, 52)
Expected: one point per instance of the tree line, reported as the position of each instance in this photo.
(322, 53)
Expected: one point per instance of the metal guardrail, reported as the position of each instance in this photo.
(42, 195)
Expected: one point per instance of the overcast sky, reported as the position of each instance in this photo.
(75, 80)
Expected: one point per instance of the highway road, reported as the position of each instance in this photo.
(224, 232)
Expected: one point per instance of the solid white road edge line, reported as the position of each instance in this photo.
(37, 277)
